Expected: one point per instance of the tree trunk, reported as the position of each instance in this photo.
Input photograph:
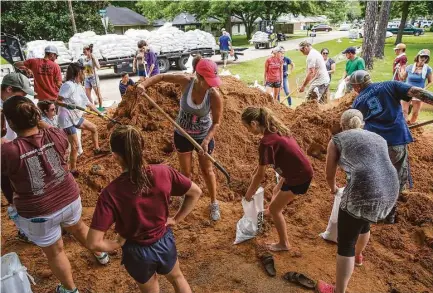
(228, 23)
(379, 47)
(404, 15)
(369, 34)
(71, 12)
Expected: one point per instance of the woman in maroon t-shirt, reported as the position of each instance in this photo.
(46, 195)
(280, 150)
(137, 201)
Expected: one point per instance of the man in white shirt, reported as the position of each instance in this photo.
(317, 74)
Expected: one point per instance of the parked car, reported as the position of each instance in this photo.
(321, 28)
(408, 30)
(344, 27)
(356, 33)
(426, 23)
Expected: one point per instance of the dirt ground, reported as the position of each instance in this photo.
(399, 258)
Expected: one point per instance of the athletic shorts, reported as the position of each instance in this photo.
(317, 93)
(46, 230)
(273, 84)
(349, 229)
(296, 189)
(91, 82)
(142, 262)
(141, 73)
(73, 129)
(399, 158)
(224, 55)
(183, 145)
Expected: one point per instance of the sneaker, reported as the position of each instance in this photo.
(323, 287)
(103, 259)
(358, 260)
(98, 152)
(61, 289)
(22, 237)
(215, 211)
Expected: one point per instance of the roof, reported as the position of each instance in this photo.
(122, 16)
(185, 18)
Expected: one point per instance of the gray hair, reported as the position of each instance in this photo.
(352, 119)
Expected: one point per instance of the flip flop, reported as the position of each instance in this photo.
(268, 264)
(299, 279)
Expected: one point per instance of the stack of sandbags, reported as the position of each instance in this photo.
(196, 39)
(260, 37)
(167, 39)
(36, 49)
(115, 46)
(137, 35)
(79, 40)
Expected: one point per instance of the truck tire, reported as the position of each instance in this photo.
(164, 65)
(181, 62)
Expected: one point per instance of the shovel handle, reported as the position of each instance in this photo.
(420, 124)
(187, 136)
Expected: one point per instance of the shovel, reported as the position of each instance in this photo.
(73, 107)
(187, 136)
(413, 126)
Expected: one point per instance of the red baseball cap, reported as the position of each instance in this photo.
(209, 70)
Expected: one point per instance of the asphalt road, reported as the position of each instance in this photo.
(109, 82)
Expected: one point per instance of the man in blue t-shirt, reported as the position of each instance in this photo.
(225, 46)
(380, 105)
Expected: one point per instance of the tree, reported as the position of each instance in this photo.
(50, 20)
(379, 46)
(405, 13)
(369, 33)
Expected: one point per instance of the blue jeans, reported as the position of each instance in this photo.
(286, 89)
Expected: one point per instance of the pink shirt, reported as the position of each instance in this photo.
(273, 67)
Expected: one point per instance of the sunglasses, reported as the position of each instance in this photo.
(325, 53)
(52, 110)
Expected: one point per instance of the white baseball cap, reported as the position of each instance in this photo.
(51, 49)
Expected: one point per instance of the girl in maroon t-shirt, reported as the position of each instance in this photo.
(137, 202)
(280, 150)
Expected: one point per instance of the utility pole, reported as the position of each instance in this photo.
(71, 12)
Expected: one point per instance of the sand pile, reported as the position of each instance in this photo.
(399, 257)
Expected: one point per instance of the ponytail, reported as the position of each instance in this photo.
(352, 119)
(266, 119)
(21, 112)
(195, 61)
(128, 143)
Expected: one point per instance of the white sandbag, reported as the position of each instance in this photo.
(188, 65)
(251, 223)
(36, 49)
(14, 276)
(260, 37)
(331, 232)
(258, 86)
(341, 89)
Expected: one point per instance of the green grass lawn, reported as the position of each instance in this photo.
(253, 70)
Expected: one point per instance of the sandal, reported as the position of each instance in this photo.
(268, 263)
(299, 279)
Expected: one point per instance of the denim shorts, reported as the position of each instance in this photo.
(46, 230)
(91, 82)
(71, 130)
(142, 262)
(183, 145)
(276, 84)
(141, 73)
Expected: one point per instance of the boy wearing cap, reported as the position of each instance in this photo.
(353, 64)
(399, 61)
(380, 105)
(46, 72)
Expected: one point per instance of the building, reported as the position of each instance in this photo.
(122, 19)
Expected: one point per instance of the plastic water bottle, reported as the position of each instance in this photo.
(13, 215)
